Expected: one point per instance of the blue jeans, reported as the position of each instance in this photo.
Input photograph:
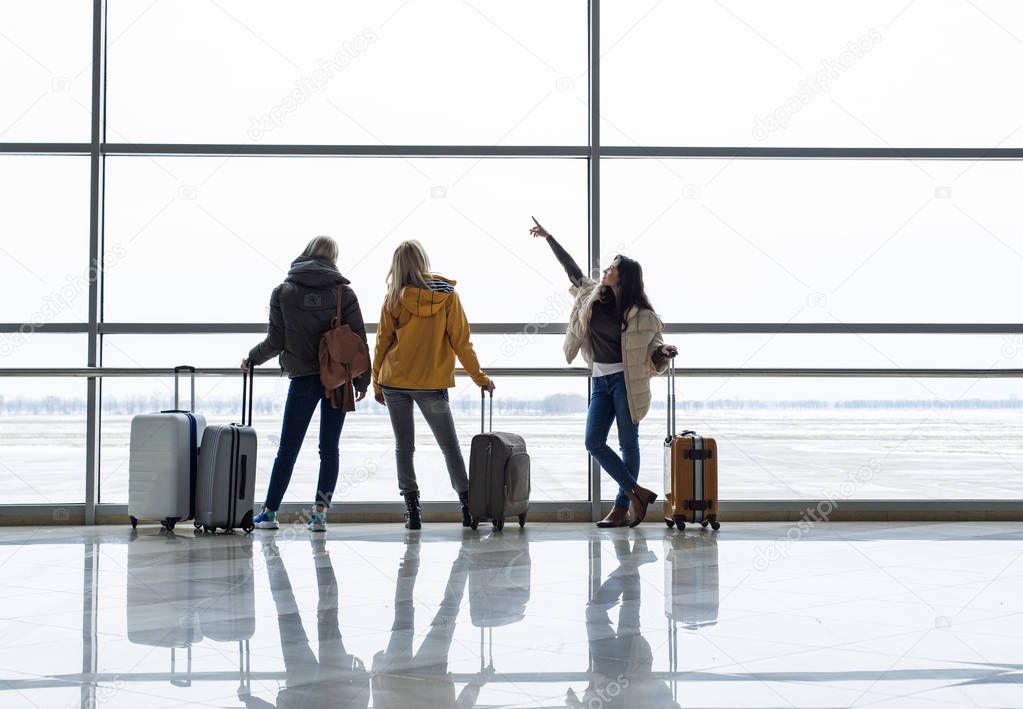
(303, 396)
(609, 402)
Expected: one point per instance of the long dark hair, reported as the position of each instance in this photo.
(630, 288)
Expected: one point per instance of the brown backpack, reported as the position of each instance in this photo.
(343, 357)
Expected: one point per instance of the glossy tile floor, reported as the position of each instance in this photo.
(556, 615)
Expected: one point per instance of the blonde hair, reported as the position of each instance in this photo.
(322, 247)
(410, 266)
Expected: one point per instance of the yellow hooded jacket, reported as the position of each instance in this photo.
(416, 347)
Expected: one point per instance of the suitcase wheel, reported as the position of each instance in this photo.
(522, 519)
(498, 524)
(475, 523)
(680, 521)
(197, 524)
(248, 528)
(134, 521)
(669, 521)
(715, 525)
(169, 523)
(704, 523)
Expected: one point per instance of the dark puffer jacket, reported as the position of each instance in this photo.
(301, 309)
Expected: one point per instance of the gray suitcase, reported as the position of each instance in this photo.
(224, 588)
(498, 474)
(226, 485)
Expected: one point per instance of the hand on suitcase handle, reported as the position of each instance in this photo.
(483, 397)
(248, 395)
(669, 350)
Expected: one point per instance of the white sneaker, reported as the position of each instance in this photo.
(317, 522)
(265, 520)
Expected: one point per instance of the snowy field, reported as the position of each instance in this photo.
(764, 454)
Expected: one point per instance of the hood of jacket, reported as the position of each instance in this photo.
(425, 302)
(314, 273)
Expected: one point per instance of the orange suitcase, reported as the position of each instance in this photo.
(690, 472)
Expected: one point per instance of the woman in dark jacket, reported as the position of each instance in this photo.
(301, 310)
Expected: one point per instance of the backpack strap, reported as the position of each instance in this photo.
(337, 314)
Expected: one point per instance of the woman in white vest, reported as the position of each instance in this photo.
(618, 333)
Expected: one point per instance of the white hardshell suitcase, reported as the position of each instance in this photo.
(163, 461)
(226, 483)
(161, 610)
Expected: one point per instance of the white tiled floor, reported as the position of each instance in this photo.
(557, 615)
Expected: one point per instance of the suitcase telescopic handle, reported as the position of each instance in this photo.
(671, 397)
(177, 376)
(483, 396)
(248, 378)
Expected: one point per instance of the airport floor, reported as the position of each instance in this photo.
(898, 615)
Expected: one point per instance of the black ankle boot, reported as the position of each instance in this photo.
(463, 497)
(413, 512)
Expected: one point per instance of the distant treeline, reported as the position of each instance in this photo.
(548, 405)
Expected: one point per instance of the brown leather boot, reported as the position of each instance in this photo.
(639, 498)
(617, 517)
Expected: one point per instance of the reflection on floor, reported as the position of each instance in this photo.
(557, 615)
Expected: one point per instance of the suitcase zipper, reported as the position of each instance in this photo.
(490, 472)
(499, 512)
(232, 477)
(193, 464)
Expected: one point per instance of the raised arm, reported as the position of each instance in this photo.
(575, 274)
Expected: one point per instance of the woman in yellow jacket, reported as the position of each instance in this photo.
(422, 327)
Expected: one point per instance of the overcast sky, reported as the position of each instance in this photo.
(205, 239)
